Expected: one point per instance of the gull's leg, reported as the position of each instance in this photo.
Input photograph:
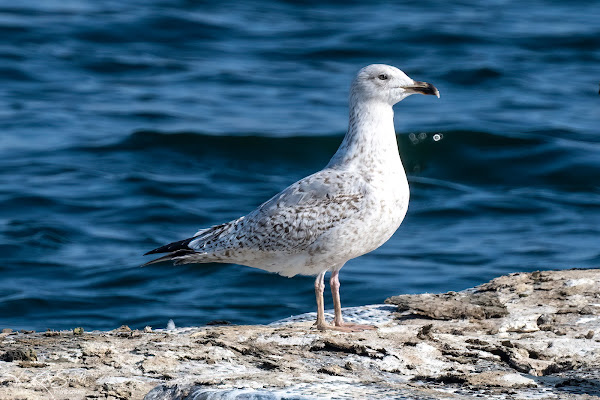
(334, 283)
(338, 321)
(319, 289)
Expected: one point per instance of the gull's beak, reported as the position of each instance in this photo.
(423, 88)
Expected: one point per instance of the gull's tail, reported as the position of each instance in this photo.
(180, 252)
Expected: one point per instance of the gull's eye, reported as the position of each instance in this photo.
(383, 77)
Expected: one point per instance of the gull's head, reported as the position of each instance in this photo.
(384, 83)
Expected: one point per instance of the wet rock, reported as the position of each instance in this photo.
(218, 322)
(189, 392)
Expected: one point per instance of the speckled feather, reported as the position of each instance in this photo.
(349, 208)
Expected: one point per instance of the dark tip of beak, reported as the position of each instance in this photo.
(424, 88)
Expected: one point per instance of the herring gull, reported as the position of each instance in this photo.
(349, 208)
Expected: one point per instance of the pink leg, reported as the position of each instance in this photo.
(334, 283)
(319, 289)
(338, 321)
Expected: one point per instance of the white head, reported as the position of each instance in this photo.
(387, 84)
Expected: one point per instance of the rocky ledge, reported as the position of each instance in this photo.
(522, 336)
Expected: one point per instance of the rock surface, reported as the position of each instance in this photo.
(521, 336)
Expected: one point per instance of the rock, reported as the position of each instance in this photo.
(589, 335)
(96, 348)
(198, 393)
(23, 354)
(123, 329)
(218, 322)
(481, 304)
(332, 369)
(162, 366)
(502, 380)
(526, 334)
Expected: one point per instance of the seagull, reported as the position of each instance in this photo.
(347, 209)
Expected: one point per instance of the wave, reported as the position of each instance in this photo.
(201, 145)
(468, 157)
(206, 142)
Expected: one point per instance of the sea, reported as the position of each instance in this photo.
(128, 124)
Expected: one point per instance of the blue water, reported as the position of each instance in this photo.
(128, 124)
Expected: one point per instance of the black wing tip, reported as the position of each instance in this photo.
(155, 251)
(170, 257)
(171, 247)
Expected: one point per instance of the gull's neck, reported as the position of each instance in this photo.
(370, 142)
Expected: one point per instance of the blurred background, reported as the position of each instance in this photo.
(125, 125)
